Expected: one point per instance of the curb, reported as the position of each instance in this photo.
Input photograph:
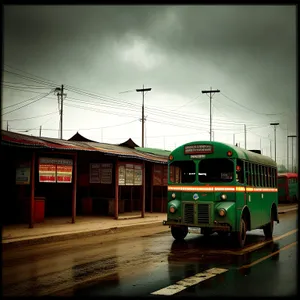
(75, 235)
(288, 210)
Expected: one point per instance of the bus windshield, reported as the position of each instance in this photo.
(182, 172)
(216, 170)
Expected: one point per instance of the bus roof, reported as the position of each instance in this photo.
(288, 175)
(220, 148)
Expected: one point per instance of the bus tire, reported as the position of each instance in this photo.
(268, 229)
(240, 236)
(179, 232)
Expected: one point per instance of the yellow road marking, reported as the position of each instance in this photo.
(253, 247)
(269, 255)
(259, 245)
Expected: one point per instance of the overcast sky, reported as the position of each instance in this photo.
(102, 54)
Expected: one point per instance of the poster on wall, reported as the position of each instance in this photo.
(138, 175)
(129, 174)
(47, 173)
(55, 170)
(23, 175)
(64, 174)
(95, 173)
(121, 175)
(106, 173)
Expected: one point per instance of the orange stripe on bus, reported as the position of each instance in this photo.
(219, 189)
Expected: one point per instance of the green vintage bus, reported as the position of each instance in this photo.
(221, 188)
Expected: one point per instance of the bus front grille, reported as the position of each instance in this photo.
(203, 213)
(188, 213)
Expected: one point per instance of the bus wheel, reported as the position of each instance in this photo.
(179, 233)
(268, 229)
(240, 236)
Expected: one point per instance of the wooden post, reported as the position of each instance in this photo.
(117, 190)
(131, 200)
(74, 188)
(162, 198)
(143, 190)
(31, 222)
(151, 189)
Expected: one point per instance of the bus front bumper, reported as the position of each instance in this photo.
(215, 226)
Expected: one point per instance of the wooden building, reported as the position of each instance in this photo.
(46, 177)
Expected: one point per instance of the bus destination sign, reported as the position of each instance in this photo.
(198, 149)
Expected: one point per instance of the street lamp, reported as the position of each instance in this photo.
(274, 124)
(292, 136)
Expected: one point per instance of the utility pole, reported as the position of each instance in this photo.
(40, 130)
(143, 90)
(260, 146)
(245, 133)
(274, 124)
(287, 148)
(61, 95)
(292, 136)
(210, 115)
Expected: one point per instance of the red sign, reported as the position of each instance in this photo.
(64, 174)
(55, 170)
(47, 173)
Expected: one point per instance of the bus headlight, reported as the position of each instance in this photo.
(173, 195)
(172, 209)
(223, 197)
(222, 212)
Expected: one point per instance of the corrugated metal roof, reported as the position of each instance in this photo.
(154, 151)
(22, 140)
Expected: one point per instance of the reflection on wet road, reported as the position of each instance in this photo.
(157, 265)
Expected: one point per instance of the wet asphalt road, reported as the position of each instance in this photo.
(153, 264)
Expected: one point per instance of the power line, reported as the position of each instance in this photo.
(249, 109)
(47, 81)
(38, 99)
(39, 116)
(21, 102)
(80, 129)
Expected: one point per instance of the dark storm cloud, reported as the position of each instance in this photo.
(253, 46)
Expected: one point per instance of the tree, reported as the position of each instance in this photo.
(281, 169)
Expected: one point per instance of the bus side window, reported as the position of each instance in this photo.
(269, 176)
(255, 181)
(258, 175)
(246, 172)
(262, 176)
(250, 181)
(274, 177)
(240, 171)
(266, 176)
